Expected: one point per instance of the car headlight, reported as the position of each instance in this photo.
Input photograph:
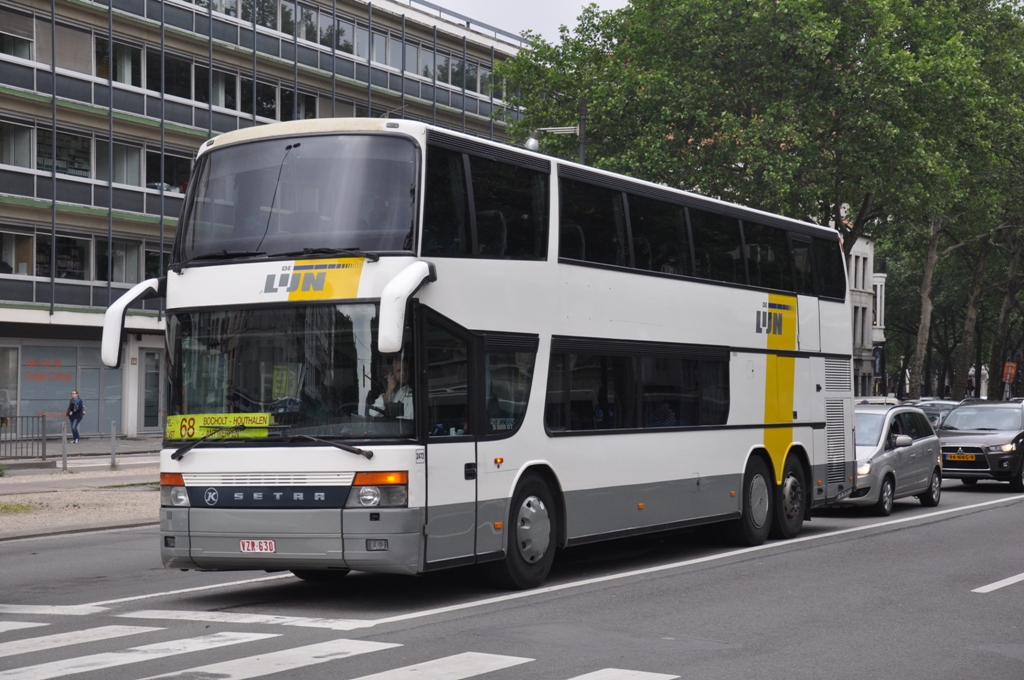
(1002, 448)
(379, 490)
(864, 467)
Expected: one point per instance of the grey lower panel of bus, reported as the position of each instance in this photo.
(593, 512)
(207, 538)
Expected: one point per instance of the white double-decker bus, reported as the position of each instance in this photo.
(395, 348)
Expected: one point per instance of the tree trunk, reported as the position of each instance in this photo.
(963, 360)
(921, 347)
(998, 354)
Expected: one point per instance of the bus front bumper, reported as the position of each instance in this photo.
(385, 540)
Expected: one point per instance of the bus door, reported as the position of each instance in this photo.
(448, 354)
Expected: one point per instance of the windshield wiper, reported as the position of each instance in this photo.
(351, 252)
(219, 255)
(948, 427)
(180, 453)
(338, 445)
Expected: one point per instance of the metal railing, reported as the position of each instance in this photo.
(22, 437)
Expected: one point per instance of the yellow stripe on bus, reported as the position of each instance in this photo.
(779, 379)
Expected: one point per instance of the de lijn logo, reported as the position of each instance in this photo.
(769, 321)
(211, 496)
(301, 277)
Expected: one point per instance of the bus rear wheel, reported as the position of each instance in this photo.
(531, 537)
(791, 501)
(757, 501)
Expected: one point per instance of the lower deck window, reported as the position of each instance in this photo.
(605, 391)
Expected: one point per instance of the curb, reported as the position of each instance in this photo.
(28, 464)
(77, 530)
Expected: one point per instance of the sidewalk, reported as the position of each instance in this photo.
(36, 501)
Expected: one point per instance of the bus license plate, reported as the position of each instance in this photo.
(959, 456)
(248, 546)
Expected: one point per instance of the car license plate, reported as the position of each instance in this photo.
(959, 456)
(263, 546)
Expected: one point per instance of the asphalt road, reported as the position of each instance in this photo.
(854, 596)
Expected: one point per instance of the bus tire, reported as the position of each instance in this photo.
(320, 575)
(791, 500)
(531, 533)
(757, 498)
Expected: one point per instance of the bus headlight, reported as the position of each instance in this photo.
(379, 490)
(864, 467)
(173, 493)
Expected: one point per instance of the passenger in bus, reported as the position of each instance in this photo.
(396, 399)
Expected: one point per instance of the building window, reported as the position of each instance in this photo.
(412, 53)
(15, 145)
(125, 261)
(225, 89)
(304, 109)
(127, 163)
(266, 99)
(74, 153)
(15, 254)
(72, 257)
(176, 172)
(177, 75)
(74, 47)
(345, 36)
(127, 62)
(266, 12)
(380, 48)
(153, 270)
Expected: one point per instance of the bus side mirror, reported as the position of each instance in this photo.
(394, 300)
(113, 319)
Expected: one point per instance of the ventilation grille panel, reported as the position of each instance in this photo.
(838, 375)
(835, 428)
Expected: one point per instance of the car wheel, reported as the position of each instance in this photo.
(969, 481)
(1017, 483)
(531, 537)
(320, 575)
(930, 498)
(790, 501)
(757, 499)
(883, 508)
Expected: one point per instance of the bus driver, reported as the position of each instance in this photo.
(396, 400)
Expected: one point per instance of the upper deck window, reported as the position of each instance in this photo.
(283, 195)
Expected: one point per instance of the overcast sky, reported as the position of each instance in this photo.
(515, 16)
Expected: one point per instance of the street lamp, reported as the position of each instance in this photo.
(533, 143)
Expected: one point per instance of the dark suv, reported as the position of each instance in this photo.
(984, 440)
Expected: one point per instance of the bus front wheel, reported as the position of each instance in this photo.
(758, 500)
(531, 537)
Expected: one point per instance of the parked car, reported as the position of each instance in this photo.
(877, 400)
(984, 440)
(897, 456)
(936, 410)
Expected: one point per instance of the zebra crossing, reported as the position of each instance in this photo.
(285, 662)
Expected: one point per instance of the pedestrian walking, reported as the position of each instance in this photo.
(76, 411)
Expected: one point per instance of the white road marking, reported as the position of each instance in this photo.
(450, 667)
(999, 584)
(96, 662)
(280, 662)
(620, 674)
(18, 625)
(75, 637)
(45, 609)
(197, 589)
(229, 617)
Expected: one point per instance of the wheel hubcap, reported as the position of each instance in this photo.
(936, 487)
(887, 495)
(757, 504)
(533, 529)
(792, 498)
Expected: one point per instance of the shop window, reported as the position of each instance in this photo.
(304, 109)
(74, 153)
(74, 47)
(176, 172)
(15, 145)
(8, 384)
(345, 37)
(124, 260)
(127, 62)
(266, 99)
(71, 257)
(127, 163)
(177, 75)
(15, 254)
(225, 89)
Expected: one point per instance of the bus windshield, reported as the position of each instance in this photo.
(284, 195)
(310, 371)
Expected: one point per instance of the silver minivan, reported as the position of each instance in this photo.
(897, 456)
